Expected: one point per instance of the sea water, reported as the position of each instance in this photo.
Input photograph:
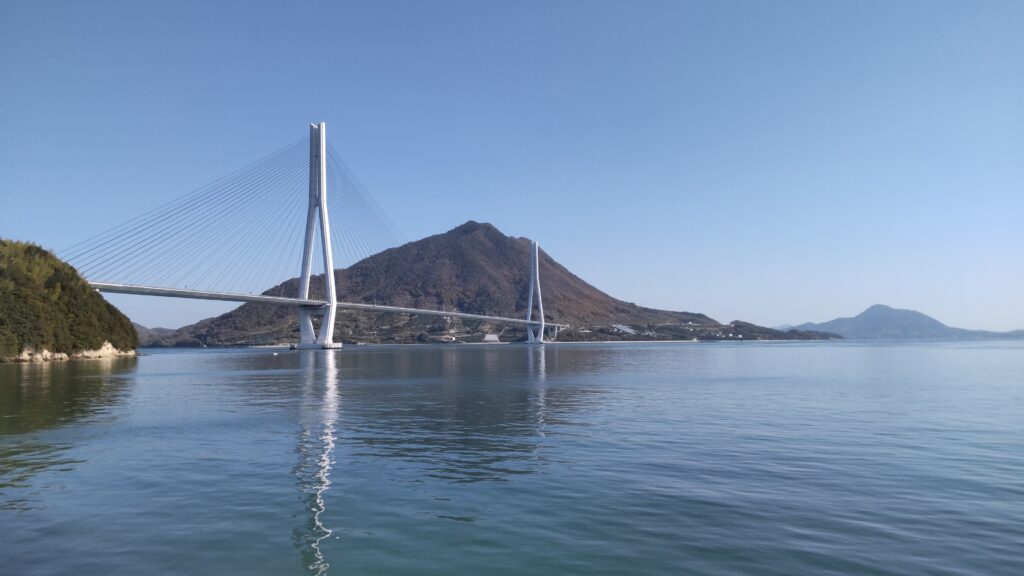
(774, 458)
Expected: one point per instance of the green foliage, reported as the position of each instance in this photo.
(44, 303)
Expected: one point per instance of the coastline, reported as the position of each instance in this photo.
(31, 354)
(144, 349)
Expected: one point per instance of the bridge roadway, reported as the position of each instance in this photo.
(236, 297)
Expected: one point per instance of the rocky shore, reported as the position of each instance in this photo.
(44, 355)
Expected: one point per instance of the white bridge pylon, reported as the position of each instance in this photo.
(317, 214)
(535, 332)
(318, 227)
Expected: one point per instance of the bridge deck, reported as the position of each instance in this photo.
(236, 297)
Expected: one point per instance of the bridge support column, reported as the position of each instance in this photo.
(316, 215)
(535, 332)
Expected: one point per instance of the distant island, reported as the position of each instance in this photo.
(473, 268)
(48, 312)
(880, 322)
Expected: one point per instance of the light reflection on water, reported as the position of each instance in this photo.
(455, 458)
(318, 412)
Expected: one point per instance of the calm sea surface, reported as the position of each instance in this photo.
(566, 459)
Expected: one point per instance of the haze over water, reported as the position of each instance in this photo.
(568, 459)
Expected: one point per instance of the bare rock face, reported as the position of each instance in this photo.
(105, 351)
(30, 354)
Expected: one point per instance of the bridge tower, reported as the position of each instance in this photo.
(317, 217)
(535, 332)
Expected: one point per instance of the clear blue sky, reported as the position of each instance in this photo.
(776, 162)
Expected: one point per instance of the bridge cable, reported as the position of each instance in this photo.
(241, 232)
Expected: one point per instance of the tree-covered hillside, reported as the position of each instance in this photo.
(44, 303)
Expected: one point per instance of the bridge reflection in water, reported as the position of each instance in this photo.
(458, 415)
(426, 415)
(318, 412)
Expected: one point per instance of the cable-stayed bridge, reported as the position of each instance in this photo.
(237, 238)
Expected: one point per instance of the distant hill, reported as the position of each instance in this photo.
(472, 268)
(880, 322)
(148, 335)
(45, 304)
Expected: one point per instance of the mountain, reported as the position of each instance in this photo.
(880, 322)
(472, 268)
(46, 308)
(148, 335)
